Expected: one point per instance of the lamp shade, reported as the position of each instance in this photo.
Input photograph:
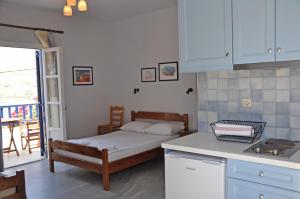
(71, 2)
(82, 6)
(68, 10)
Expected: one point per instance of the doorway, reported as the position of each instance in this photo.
(21, 110)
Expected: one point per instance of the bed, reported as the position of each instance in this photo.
(100, 154)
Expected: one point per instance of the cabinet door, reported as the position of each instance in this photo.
(253, 31)
(288, 30)
(205, 35)
(238, 189)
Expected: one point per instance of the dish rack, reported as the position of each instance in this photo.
(258, 128)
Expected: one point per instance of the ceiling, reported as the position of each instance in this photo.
(106, 10)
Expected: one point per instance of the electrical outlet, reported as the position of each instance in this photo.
(247, 103)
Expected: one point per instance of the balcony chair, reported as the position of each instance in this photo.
(116, 120)
(13, 187)
(32, 135)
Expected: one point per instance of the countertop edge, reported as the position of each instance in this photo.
(235, 156)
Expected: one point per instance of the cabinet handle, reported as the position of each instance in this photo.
(227, 54)
(279, 50)
(261, 174)
(189, 168)
(261, 196)
(270, 50)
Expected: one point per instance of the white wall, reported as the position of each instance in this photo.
(117, 51)
(144, 41)
(84, 43)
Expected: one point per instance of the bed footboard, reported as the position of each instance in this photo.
(105, 168)
(94, 152)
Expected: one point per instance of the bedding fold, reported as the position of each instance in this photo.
(101, 146)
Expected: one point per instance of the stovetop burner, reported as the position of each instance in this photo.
(280, 143)
(275, 147)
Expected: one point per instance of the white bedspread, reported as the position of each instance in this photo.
(120, 144)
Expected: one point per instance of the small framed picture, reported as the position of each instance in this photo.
(82, 75)
(148, 74)
(168, 71)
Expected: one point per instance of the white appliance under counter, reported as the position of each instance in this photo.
(191, 175)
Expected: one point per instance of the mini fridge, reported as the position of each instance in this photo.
(192, 176)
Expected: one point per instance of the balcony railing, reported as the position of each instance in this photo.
(22, 111)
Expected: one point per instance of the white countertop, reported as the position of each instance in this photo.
(207, 144)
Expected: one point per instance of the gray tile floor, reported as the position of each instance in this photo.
(145, 181)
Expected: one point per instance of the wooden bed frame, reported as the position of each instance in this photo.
(107, 168)
(14, 186)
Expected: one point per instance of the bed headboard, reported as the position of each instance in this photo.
(161, 116)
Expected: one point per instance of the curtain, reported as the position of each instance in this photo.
(47, 40)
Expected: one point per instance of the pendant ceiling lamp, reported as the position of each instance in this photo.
(68, 10)
(71, 2)
(82, 6)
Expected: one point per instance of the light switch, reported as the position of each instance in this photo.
(247, 103)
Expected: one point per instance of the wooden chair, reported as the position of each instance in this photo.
(116, 120)
(13, 187)
(32, 135)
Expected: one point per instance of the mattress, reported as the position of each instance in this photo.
(120, 144)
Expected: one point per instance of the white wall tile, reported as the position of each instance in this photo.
(245, 83)
(283, 72)
(256, 83)
(269, 83)
(269, 95)
(283, 83)
(212, 95)
(283, 96)
(212, 83)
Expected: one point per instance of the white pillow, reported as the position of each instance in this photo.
(164, 129)
(135, 126)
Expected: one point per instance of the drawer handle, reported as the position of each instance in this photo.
(261, 196)
(189, 168)
(261, 174)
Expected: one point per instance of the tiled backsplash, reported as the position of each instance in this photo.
(275, 95)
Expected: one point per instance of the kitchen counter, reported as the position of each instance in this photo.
(207, 144)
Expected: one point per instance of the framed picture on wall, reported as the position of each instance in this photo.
(168, 71)
(148, 74)
(82, 75)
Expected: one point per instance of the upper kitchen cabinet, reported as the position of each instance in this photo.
(266, 31)
(254, 31)
(205, 35)
(287, 30)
